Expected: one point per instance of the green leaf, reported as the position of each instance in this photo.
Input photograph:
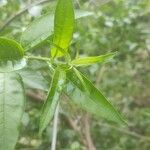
(90, 98)
(33, 79)
(91, 60)
(34, 36)
(11, 55)
(32, 75)
(12, 101)
(50, 105)
(63, 27)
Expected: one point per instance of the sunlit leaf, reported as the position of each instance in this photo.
(12, 99)
(50, 105)
(90, 98)
(34, 36)
(63, 27)
(11, 55)
(91, 60)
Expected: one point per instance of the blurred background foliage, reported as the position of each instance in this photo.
(116, 25)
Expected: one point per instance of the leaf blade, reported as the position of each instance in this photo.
(12, 101)
(64, 21)
(97, 103)
(92, 60)
(11, 55)
(50, 105)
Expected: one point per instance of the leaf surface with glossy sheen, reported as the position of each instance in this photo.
(64, 22)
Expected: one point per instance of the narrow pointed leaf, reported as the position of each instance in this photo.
(12, 99)
(92, 60)
(50, 105)
(11, 55)
(63, 26)
(90, 98)
(34, 36)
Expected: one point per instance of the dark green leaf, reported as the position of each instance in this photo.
(12, 101)
(49, 107)
(91, 60)
(90, 98)
(11, 55)
(34, 36)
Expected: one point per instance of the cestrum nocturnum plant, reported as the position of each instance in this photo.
(57, 30)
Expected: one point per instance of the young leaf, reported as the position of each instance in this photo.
(34, 36)
(91, 60)
(63, 27)
(49, 107)
(11, 55)
(12, 100)
(90, 98)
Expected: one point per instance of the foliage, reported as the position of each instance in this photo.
(125, 30)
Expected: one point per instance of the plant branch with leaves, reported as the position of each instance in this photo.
(58, 31)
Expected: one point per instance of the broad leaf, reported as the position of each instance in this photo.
(12, 101)
(92, 60)
(33, 77)
(90, 98)
(11, 55)
(63, 27)
(50, 105)
(35, 34)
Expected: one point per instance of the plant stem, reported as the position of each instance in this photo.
(55, 125)
(38, 58)
(21, 12)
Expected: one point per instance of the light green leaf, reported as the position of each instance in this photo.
(11, 55)
(34, 36)
(50, 105)
(91, 60)
(64, 21)
(12, 100)
(90, 98)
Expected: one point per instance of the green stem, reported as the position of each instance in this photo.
(66, 54)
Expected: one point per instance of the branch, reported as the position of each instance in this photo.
(55, 126)
(73, 124)
(35, 96)
(128, 132)
(21, 12)
(87, 132)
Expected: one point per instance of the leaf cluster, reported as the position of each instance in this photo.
(66, 78)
